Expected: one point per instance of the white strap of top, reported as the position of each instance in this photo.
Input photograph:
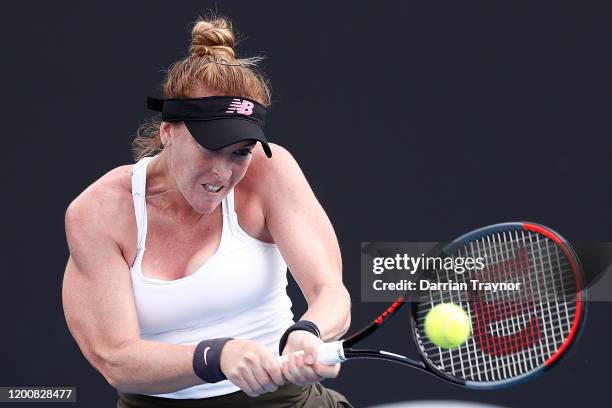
(139, 172)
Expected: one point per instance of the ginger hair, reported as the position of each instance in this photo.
(211, 62)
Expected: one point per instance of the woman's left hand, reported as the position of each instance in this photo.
(303, 369)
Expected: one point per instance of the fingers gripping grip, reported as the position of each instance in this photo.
(327, 353)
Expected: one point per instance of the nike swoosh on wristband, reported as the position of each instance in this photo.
(205, 352)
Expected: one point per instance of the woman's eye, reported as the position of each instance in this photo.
(243, 152)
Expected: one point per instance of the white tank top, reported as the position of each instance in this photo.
(239, 292)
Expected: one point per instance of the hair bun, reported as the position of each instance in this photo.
(212, 38)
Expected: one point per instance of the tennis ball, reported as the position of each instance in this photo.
(447, 325)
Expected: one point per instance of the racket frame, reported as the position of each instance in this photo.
(348, 352)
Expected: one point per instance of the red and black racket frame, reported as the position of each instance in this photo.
(425, 365)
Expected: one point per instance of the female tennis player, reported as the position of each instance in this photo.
(175, 289)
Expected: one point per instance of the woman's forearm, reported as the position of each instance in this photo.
(330, 310)
(147, 367)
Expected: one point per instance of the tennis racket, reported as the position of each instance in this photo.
(515, 335)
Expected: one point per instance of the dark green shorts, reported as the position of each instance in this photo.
(289, 395)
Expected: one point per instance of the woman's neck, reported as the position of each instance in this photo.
(162, 192)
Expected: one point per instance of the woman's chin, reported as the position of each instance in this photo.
(207, 205)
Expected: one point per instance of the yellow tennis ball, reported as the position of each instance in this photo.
(447, 325)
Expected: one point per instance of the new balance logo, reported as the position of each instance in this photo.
(242, 107)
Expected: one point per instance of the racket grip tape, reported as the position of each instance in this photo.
(327, 353)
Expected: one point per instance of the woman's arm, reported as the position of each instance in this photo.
(307, 241)
(100, 312)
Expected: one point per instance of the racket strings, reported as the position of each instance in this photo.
(556, 276)
(515, 331)
(511, 345)
(499, 330)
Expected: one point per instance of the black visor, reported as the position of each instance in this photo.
(216, 122)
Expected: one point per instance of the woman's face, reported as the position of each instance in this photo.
(204, 177)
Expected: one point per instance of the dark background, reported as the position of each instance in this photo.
(411, 120)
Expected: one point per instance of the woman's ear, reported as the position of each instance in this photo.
(165, 132)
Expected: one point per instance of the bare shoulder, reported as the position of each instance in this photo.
(104, 206)
(277, 183)
(271, 173)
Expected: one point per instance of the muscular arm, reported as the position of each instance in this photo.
(100, 310)
(307, 241)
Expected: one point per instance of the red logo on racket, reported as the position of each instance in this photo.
(517, 314)
(241, 107)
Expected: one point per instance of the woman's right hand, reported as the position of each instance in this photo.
(251, 366)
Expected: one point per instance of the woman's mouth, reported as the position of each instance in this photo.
(212, 188)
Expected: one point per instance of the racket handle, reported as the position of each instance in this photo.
(327, 353)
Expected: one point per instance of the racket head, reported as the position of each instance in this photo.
(517, 334)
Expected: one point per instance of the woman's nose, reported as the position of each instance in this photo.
(222, 167)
